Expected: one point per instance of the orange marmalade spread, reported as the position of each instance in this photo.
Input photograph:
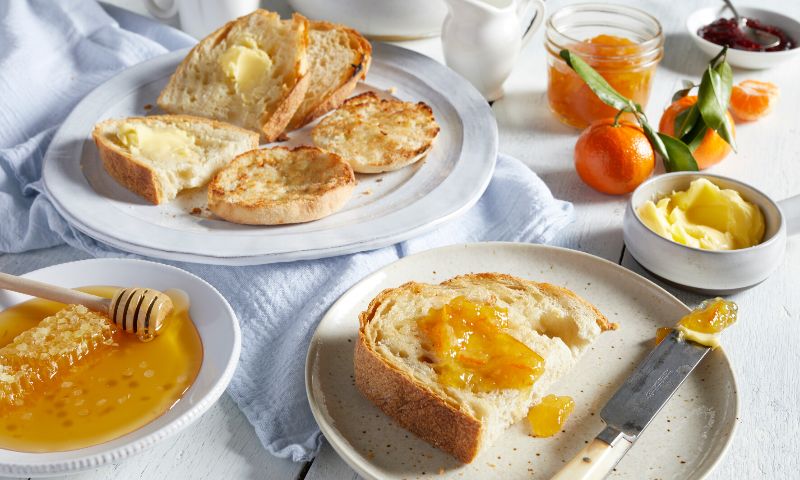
(704, 324)
(549, 416)
(115, 390)
(619, 60)
(470, 348)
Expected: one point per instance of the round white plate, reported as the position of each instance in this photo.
(685, 440)
(385, 208)
(219, 331)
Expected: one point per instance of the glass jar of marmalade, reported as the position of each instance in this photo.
(623, 44)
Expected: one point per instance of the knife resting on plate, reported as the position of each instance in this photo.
(634, 405)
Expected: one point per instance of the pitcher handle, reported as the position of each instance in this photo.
(791, 214)
(163, 9)
(531, 15)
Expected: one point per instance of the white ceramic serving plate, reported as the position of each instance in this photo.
(685, 440)
(743, 58)
(385, 208)
(219, 331)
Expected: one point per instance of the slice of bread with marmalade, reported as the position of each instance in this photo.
(280, 185)
(459, 362)
(338, 57)
(158, 156)
(375, 135)
(251, 72)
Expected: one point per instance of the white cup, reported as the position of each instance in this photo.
(198, 18)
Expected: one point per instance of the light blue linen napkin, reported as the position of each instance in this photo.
(76, 45)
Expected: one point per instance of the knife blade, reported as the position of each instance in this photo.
(635, 404)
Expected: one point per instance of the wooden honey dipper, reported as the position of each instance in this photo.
(140, 311)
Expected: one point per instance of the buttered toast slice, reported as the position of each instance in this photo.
(158, 156)
(466, 354)
(251, 72)
(279, 185)
(339, 57)
(376, 135)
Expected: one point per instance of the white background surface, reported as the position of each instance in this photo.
(763, 346)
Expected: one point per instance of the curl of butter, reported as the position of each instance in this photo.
(244, 65)
(705, 216)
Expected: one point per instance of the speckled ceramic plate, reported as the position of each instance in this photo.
(685, 440)
(385, 208)
(215, 322)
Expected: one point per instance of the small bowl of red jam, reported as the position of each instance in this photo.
(714, 27)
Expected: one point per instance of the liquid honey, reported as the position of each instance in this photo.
(111, 393)
(472, 350)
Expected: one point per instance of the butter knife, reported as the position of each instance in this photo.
(634, 405)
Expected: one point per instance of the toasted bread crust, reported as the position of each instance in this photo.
(436, 419)
(262, 211)
(339, 95)
(272, 122)
(129, 171)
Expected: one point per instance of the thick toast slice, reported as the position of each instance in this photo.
(158, 156)
(251, 72)
(394, 369)
(279, 185)
(339, 57)
(376, 135)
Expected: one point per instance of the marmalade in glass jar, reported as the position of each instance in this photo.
(624, 64)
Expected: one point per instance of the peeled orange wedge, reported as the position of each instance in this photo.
(752, 99)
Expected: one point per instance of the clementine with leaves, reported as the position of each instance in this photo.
(710, 148)
(614, 157)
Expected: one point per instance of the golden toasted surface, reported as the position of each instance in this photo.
(393, 368)
(338, 57)
(251, 72)
(281, 185)
(375, 135)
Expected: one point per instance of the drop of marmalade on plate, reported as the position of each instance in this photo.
(116, 389)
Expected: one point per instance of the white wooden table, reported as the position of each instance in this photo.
(763, 346)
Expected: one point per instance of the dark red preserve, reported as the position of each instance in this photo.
(725, 31)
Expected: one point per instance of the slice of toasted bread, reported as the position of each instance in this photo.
(339, 57)
(157, 170)
(251, 72)
(279, 185)
(376, 135)
(395, 372)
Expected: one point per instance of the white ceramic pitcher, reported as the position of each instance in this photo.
(481, 39)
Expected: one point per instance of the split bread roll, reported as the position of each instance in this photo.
(338, 57)
(158, 156)
(251, 72)
(394, 371)
(279, 185)
(375, 135)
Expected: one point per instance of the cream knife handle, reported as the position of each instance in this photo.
(52, 292)
(595, 461)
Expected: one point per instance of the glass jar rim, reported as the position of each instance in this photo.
(655, 41)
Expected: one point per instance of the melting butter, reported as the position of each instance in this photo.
(245, 64)
(160, 144)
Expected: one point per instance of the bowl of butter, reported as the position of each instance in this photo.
(707, 233)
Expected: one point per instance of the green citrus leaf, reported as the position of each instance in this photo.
(713, 106)
(596, 82)
(683, 91)
(686, 121)
(655, 140)
(679, 157)
(693, 138)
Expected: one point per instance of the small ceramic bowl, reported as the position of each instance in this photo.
(708, 271)
(219, 331)
(743, 58)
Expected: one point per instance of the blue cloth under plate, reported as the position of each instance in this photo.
(54, 52)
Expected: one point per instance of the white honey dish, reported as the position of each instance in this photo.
(708, 271)
(743, 58)
(219, 332)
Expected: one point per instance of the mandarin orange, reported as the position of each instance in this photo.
(614, 159)
(751, 99)
(712, 148)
